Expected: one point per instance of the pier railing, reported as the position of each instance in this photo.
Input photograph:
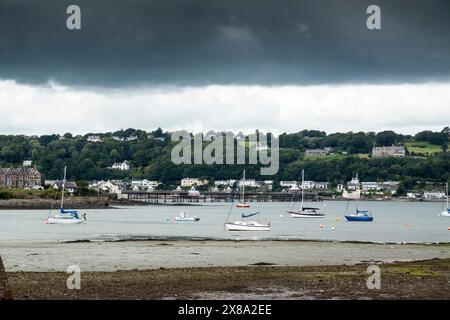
(184, 196)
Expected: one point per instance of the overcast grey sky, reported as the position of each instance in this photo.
(238, 65)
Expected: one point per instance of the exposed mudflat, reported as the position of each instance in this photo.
(402, 280)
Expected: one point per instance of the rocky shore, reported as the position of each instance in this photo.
(69, 203)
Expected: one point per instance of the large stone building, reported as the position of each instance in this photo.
(388, 151)
(191, 182)
(19, 177)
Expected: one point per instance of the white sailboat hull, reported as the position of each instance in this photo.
(247, 226)
(299, 214)
(445, 214)
(61, 220)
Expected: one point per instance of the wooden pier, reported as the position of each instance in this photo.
(184, 197)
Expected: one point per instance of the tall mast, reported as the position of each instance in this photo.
(446, 187)
(243, 189)
(303, 182)
(63, 186)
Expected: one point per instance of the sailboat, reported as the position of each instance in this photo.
(245, 225)
(359, 215)
(66, 216)
(446, 213)
(182, 216)
(241, 203)
(306, 212)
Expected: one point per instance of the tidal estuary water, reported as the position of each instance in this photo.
(394, 222)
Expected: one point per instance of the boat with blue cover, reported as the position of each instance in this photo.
(359, 215)
(66, 216)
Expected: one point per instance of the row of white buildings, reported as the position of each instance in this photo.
(98, 139)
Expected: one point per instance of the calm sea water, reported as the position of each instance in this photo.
(393, 222)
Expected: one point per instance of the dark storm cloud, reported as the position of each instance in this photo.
(198, 42)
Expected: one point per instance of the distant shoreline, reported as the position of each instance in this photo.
(105, 203)
(42, 204)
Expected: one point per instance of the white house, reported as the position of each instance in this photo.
(322, 185)
(306, 185)
(131, 138)
(353, 184)
(434, 195)
(145, 184)
(94, 139)
(69, 186)
(105, 186)
(123, 166)
(371, 186)
(249, 183)
(229, 182)
(27, 163)
(288, 184)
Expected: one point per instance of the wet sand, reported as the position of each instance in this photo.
(50, 256)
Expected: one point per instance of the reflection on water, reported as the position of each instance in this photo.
(394, 222)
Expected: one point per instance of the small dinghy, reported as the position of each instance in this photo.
(182, 216)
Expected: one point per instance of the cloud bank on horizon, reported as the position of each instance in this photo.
(281, 65)
(200, 109)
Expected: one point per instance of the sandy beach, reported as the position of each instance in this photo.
(54, 256)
